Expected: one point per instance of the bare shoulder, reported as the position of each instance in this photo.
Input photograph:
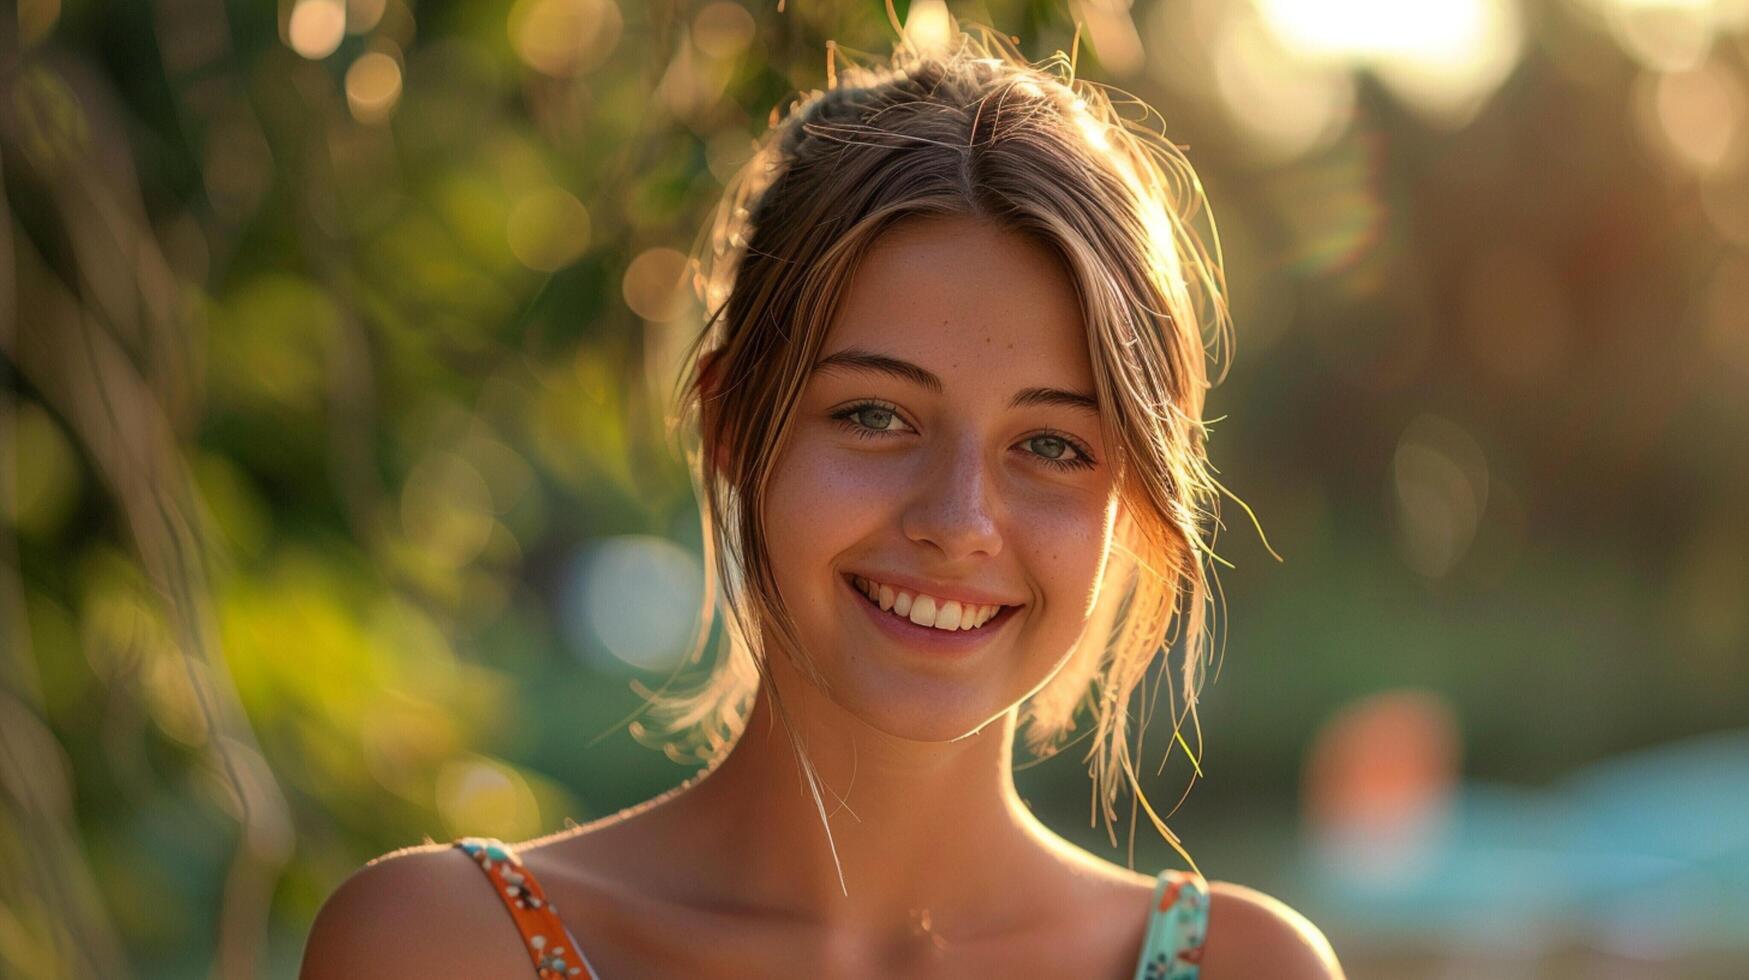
(1251, 934)
(420, 911)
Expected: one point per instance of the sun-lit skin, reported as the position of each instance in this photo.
(936, 867)
(917, 745)
(959, 490)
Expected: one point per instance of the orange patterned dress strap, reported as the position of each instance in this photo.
(551, 946)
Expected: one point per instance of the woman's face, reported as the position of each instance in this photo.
(947, 444)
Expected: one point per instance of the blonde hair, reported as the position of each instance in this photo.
(970, 129)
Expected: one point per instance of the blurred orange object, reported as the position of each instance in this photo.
(1380, 783)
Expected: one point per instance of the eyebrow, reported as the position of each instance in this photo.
(858, 359)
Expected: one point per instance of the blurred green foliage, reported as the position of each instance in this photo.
(335, 332)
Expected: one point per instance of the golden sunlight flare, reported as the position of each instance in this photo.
(1443, 58)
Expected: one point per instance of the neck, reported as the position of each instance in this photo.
(922, 834)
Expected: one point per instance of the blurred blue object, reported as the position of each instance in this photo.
(1644, 855)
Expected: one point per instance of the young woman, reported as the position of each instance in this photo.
(950, 452)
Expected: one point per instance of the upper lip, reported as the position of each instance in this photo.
(960, 593)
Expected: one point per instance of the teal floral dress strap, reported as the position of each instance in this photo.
(1177, 928)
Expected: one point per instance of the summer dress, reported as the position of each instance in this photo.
(1177, 922)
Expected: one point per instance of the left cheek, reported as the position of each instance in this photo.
(817, 510)
(1068, 544)
(833, 505)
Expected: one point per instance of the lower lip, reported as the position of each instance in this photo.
(928, 638)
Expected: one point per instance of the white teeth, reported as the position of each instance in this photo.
(925, 610)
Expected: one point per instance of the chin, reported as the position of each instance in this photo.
(917, 724)
(919, 707)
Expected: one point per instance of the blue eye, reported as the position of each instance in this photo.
(874, 420)
(1060, 445)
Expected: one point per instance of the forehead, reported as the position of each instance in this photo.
(966, 298)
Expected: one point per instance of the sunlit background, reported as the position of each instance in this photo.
(338, 512)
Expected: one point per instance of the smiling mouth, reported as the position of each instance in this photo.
(946, 617)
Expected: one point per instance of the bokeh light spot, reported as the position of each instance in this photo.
(637, 597)
(928, 26)
(722, 29)
(446, 510)
(362, 16)
(564, 37)
(1441, 478)
(373, 87)
(653, 284)
(1665, 35)
(477, 795)
(1695, 118)
(1442, 57)
(727, 152)
(316, 27)
(47, 483)
(547, 229)
(1284, 105)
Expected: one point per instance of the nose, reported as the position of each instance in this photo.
(953, 508)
